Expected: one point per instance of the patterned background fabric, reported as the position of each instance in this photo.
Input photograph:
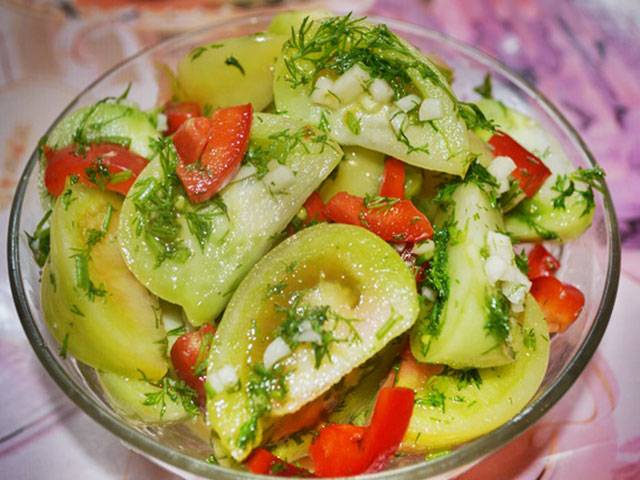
(584, 55)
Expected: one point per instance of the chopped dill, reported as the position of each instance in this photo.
(39, 241)
(498, 324)
(233, 62)
(485, 89)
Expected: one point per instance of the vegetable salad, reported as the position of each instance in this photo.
(313, 254)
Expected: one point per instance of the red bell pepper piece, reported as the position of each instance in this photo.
(263, 462)
(179, 112)
(226, 143)
(389, 423)
(341, 450)
(560, 302)
(338, 451)
(393, 220)
(393, 179)
(315, 209)
(530, 171)
(542, 263)
(189, 352)
(104, 165)
(191, 138)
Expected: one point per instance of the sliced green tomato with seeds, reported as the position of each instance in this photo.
(107, 122)
(536, 219)
(455, 407)
(230, 72)
(439, 145)
(346, 269)
(118, 329)
(458, 336)
(257, 210)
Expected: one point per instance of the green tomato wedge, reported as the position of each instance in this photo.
(109, 121)
(457, 406)
(440, 144)
(218, 242)
(536, 219)
(458, 335)
(141, 400)
(93, 305)
(283, 22)
(344, 274)
(230, 72)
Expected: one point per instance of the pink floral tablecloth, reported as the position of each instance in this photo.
(585, 55)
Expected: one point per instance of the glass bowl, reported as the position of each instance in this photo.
(591, 262)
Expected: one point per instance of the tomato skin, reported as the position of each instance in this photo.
(315, 209)
(397, 222)
(179, 112)
(393, 179)
(560, 302)
(337, 451)
(530, 171)
(343, 449)
(541, 263)
(65, 162)
(227, 142)
(262, 461)
(187, 352)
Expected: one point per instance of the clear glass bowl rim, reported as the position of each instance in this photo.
(464, 455)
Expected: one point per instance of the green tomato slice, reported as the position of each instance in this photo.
(439, 144)
(457, 406)
(230, 72)
(92, 303)
(357, 281)
(217, 243)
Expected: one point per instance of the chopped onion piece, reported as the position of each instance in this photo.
(430, 109)
(276, 351)
(381, 91)
(350, 84)
(279, 176)
(408, 102)
(501, 167)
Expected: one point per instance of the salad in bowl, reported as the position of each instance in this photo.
(312, 254)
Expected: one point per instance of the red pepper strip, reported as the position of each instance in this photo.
(393, 179)
(337, 451)
(179, 112)
(389, 423)
(188, 352)
(530, 171)
(342, 450)
(542, 263)
(107, 165)
(263, 462)
(560, 302)
(227, 142)
(315, 209)
(191, 138)
(394, 221)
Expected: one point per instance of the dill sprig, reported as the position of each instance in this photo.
(498, 323)
(565, 186)
(39, 240)
(322, 320)
(437, 279)
(170, 389)
(334, 45)
(263, 386)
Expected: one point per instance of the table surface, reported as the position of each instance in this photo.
(584, 55)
